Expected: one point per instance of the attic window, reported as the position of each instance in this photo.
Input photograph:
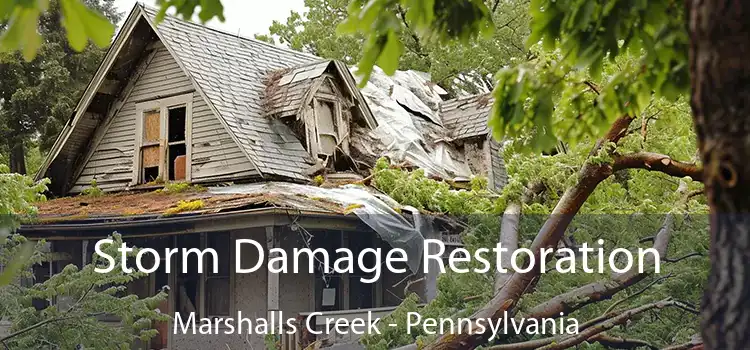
(162, 150)
(327, 129)
(327, 135)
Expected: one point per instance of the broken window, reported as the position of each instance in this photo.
(326, 125)
(176, 137)
(163, 147)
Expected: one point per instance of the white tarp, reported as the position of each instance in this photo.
(376, 211)
(392, 101)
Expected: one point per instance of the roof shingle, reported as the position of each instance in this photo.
(231, 71)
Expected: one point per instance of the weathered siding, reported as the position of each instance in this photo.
(499, 177)
(216, 157)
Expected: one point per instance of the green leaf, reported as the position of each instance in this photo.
(21, 33)
(82, 24)
(392, 49)
(16, 263)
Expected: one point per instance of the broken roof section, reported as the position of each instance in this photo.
(410, 127)
(467, 116)
(381, 213)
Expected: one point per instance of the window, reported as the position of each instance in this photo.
(209, 294)
(329, 132)
(162, 150)
(327, 135)
(218, 286)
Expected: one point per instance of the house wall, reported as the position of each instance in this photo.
(499, 177)
(251, 296)
(216, 157)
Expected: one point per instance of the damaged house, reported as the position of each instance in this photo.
(258, 127)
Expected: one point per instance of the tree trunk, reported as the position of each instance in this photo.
(17, 157)
(720, 99)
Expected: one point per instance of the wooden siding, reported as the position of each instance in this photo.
(215, 155)
(499, 177)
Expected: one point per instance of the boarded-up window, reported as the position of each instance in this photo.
(163, 148)
(150, 150)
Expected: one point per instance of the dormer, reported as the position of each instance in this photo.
(321, 104)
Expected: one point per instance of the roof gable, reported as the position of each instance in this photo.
(230, 72)
(227, 71)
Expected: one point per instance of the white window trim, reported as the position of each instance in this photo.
(163, 105)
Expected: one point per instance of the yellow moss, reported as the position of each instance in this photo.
(185, 206)
(180, 187)
(351, 207)
(319, 180)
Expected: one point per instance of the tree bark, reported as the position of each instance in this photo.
(720, 99)
(549, 235)
(17, 157)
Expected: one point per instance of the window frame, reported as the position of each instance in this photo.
(163, 105)
(206, 275)
(342, 136)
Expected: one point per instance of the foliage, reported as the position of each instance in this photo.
(75, 301)
(18, 194)
(184, 206)
(622, 211)
(37, 96)
(93, 190)
(180, 187)
(80, 22)
(452, 65)
(413, 188)
(82, 296)
(623, 50)
(186, 8)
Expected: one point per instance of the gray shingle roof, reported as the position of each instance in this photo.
(467, 116)
(288, 89)
(232, 72)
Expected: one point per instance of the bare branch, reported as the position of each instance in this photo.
(603, 290)
(621, 343)
(617, 318)
(674, 260)
(694, 344)
(657, 162)
(509, 239)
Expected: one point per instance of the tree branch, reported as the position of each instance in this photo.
(593, 330)
(616, 318)
(549, 235)
(602, 290)
(509, 239)
(621, 343)
(657, 162)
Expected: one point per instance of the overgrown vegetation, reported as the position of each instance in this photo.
(624, 211)
(185, 206)
(180, 187)
(93, 190)
(66, 310)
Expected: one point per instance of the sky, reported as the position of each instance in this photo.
(244, 17)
